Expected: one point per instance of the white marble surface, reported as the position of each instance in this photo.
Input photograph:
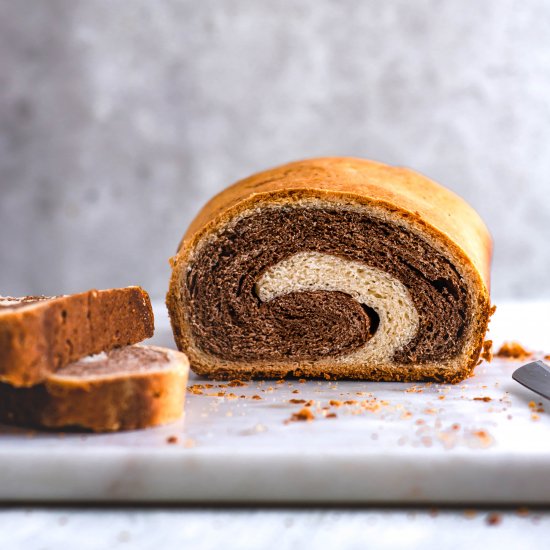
(283, 529)
(433, 444)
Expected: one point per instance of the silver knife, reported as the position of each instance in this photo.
(535, 376)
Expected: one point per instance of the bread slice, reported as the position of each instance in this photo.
(39, 335)
(124, 389)
(336, 268)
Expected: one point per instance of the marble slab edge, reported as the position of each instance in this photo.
(185, 476)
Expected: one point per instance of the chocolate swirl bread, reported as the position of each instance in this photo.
(333, 267)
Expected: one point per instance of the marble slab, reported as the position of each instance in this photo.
(486, 440)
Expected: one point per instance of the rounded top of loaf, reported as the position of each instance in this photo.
(398, 189)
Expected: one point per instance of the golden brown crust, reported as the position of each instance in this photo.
(443, 218)
(41, 337)
(126, 401)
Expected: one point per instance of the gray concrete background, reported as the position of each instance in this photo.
(118, 120)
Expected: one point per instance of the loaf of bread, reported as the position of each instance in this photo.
(335, 268)
(39, 335)
(124, 389)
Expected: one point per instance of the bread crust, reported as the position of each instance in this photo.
(404, 196)
(124, 401)
(44, 336)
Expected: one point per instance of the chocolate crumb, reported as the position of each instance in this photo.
(493, 519)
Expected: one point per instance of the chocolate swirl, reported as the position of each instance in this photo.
(227, 319)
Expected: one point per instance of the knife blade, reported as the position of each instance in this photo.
(535, 376)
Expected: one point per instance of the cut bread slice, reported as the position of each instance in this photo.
(39, 335)
(124, 389)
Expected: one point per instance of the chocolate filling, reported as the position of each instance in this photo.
(129, 359)
(228, 320)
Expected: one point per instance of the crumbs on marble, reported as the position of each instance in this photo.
(236, 383)
(303, 415)
(493, 519)
(513, 350)
(536, 407)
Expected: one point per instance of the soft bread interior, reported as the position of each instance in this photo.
(386, 295)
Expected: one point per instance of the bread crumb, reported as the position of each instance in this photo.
(196, 389)
(335, 403)
(303, 415)
(280, 382)
(302, 381)
(513, 350)
(487, 351)
(331, 415)
(256, 397)
(236, 383)
(493, 519)
(172, 439)
(350, 402)
(441, 397)
(483, 438)
(484, 399)
(470, 514)
(295, 391)
(414, 389)
(522, 511)
(310, 403)
(296, 401)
